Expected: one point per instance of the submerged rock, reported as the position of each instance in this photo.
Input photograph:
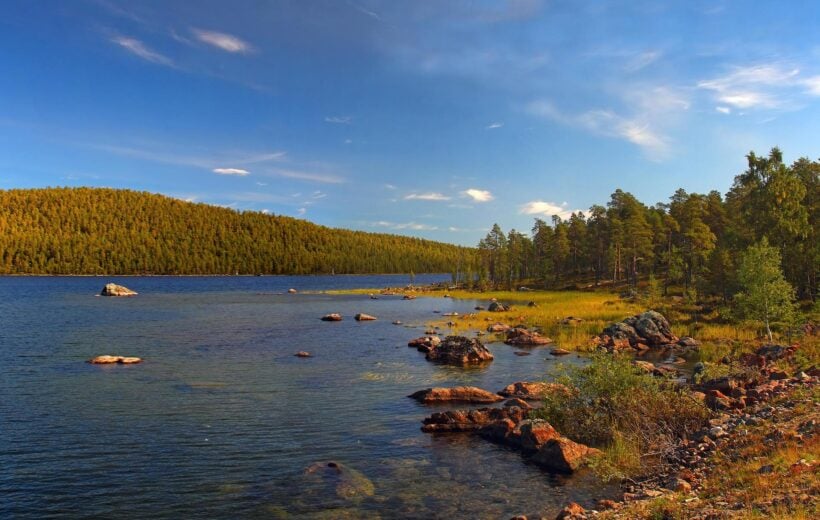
(466, 394)
(332, 317)
(112, 289)
(120, 360)
(344, 481)
(525, 338)
(459, 350)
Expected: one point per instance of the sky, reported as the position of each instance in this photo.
(426, 118)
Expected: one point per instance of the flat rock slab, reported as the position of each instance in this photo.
(464, 394)
(119, 360)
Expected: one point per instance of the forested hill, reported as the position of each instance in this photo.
(107, 231)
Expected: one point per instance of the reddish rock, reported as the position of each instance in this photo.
(534, 433)
(562, 455)
(332, 317)
(425, 343)
(559, 352)
(525, 337)
(572, 511)
(464, 394)
(532, 391)
(119, 360)
(470, 420)
(498, 327)
(459, 350)
(364, 317)
(302, 353)
(517, 402)
(752, 360)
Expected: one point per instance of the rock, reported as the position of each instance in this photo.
(465, 394)
(532, 391)
(396, 322)
(425, 343)
(571, 320)
(517, 402)
(470, 420)
(572, 511)
(534, 433)
(120, 360)
(559, 352)
(303, 353)
(532, 304)
(112, 289)
(346, 482)
(408, 297)
(650, 328)
(686, 341)
(775, 352)
(524, 337)
(364, 317)
(679, 485)
(332, 317)
(498, 431)
(291, 291)
(479, 307)
(562, 455)
(459, 350)
(498, 307)
(498, 327)
(644, 366)
(522, 353)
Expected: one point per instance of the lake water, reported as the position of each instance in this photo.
(221, 420)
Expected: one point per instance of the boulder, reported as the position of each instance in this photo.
(775, 352)
(534, 433)
(332, 317)
(460, 350)
(621, 331)
(532, 391)
(425, 343)
(464, 394)
(498, 307)
(562, 455)
(303, 353)
(345, 482)
(112, 289)
(470, 420)
(498, 327)
(649, 328)
(364, 317)
(686, 341)
(524, 337)
(571, 512)
(291, 291)
(120, 360)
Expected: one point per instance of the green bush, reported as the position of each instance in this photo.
(635, 418)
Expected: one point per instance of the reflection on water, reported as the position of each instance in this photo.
(222, 420)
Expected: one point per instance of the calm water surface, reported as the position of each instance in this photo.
(221, 420)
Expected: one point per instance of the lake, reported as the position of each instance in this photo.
(221, 419)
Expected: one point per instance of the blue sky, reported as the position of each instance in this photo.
(425, 118)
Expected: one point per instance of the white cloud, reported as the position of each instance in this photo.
(301, 211)
(339, 120)
(231, 171)
(478, 195)
(724, 110)
(415, 226)
(427, 196)
(222, 41)
(138, 48)
(492, 126)
(642, 60)
(318, 195)
(389, 186)
(264, 211)
(547, 209)
(210, 161)
(813, 85)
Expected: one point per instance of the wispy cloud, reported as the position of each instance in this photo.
(638, 130)
(724, 110)
(754, 87)
(478, 195)
(210, 162)
(427, 196)
(547, 209)
(415, 226)
(138, 48)
(301, 211)
(346, 120)
(390, 186)
(307, 176)
(642, 60)
(813, 85)
(231, 171)
(222, 41)
(493, 126)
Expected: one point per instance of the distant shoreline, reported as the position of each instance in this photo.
(18, 275)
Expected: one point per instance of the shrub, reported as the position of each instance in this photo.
(635, 418)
